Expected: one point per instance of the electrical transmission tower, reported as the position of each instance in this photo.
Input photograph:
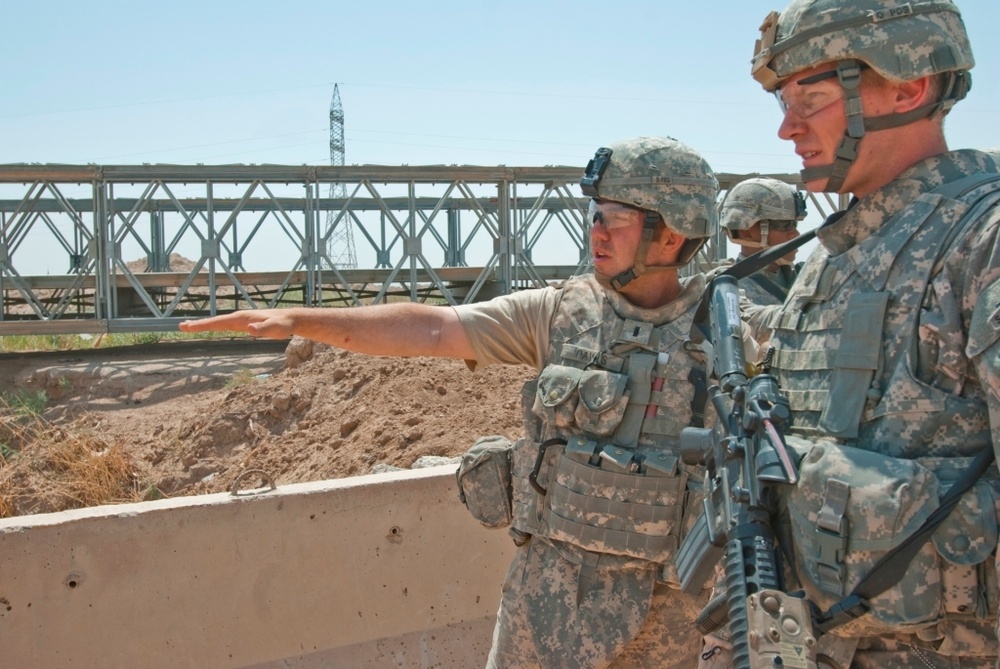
(340, 247)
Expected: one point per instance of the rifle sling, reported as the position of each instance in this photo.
(758, 261)
(772, 287)
(745, 268)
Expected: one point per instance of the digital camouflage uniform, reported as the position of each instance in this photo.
(888, 342)
(762, 201)
(603, 600)
(592, 583)
(887, 347)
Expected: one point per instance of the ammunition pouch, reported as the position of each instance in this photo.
(612, 512)
(588, 400)
(852, 506)
(597, 504)
(484, 481)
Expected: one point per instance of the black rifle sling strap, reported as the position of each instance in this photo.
(772, 287)
(748, 266)
(762, 259)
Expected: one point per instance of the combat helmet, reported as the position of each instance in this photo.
(666, 179)
(901, 41)
(760, 200)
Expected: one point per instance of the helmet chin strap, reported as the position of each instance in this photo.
(622, 279)
(639, 266)
(751, 243)
(849, 76)
(762, 244)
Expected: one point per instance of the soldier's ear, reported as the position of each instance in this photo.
(752, 234)
(912, 94)
(670, 243)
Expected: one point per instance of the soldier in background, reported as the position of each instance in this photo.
(757, 214)
(600, 494)
(888, 344)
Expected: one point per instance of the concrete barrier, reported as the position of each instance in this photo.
(377, 571)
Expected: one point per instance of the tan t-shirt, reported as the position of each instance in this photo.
(511, 329)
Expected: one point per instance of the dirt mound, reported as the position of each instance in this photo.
(190, 420)
(339, 414)
(175, 261)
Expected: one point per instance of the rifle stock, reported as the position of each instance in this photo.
(745, 457)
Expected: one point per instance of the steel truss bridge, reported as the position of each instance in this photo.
(138, 248)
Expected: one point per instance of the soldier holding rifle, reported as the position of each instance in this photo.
(888, 345)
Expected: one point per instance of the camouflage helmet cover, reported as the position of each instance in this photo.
(657, 174)
(760, 199)
(900, 40)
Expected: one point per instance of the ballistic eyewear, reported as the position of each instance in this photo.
(613, 214)
(811, 94)
(782, 226)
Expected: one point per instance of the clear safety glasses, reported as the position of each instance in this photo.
(613, 215)
(782, 226)
(810, 94)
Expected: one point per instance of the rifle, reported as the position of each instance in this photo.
(745, 459)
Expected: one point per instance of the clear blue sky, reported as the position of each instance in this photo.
(465, 82)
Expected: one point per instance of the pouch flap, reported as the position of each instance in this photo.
(969, 534)
(889, 497)
(484, 480)
(556, 383)
(601, 389)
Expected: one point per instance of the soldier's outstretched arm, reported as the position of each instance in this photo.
(398, 329)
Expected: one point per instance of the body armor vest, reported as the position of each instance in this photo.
(887, 372)
(613, 396)
(855, 359)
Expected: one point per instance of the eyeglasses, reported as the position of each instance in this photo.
(782, 226)
(613, 215)
(810, 94)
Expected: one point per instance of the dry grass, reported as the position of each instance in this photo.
(46, 468)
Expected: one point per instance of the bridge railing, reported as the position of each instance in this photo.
(91, 248)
